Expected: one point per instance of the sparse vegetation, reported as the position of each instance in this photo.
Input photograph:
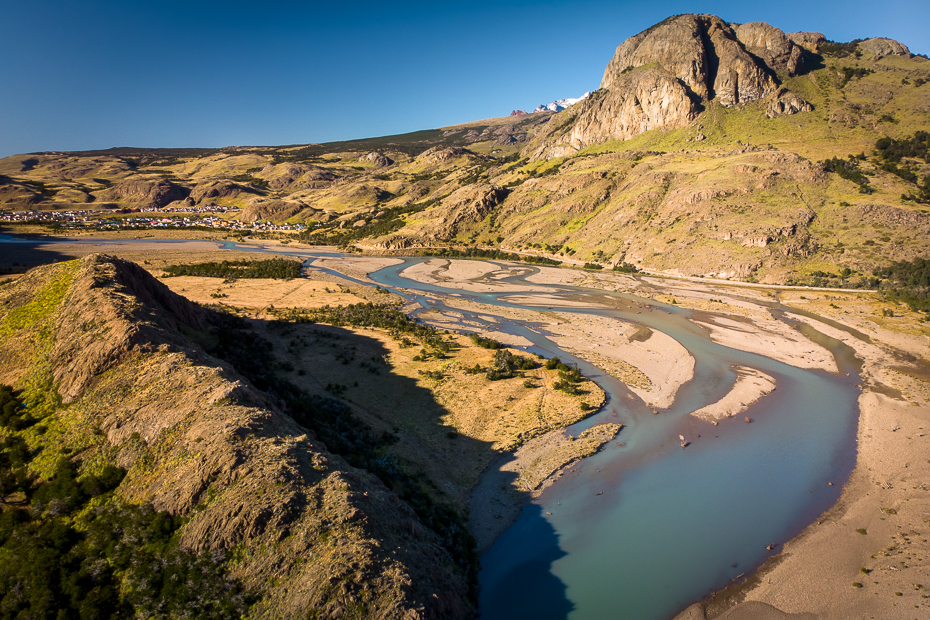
(485, 343)
(332, 420)
(506, 365)
(625, 267)
(908, 282)
(474, 252)
(850, 73)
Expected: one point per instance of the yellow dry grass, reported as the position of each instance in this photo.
(259, 295)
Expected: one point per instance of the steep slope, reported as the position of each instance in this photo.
(99, 344)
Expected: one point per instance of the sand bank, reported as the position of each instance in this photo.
(768, 337)
(615, 346)
(357, 267)
(468, 275)
(750, 386)
(869, 555)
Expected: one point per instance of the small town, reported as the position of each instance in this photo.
(104, 219)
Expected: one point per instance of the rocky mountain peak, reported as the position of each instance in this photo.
(771, 45)
(808, 40)
(710, 57)
(660, 78)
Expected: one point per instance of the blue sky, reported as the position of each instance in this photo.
(97, 74)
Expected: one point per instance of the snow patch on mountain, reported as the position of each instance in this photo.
(560, 104)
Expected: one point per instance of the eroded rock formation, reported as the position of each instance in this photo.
(660, 78)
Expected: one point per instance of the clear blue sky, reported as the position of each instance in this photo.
(96, 74)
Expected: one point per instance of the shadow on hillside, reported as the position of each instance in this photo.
(19, 253)
(386, 423)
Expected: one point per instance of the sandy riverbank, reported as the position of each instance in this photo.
(468, 275)
(750, 386)
(882, 520)
(355, 266)
(770, 338)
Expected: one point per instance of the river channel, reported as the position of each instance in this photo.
(644, 528)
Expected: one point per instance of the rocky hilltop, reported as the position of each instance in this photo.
(664, 76)
(118, 371)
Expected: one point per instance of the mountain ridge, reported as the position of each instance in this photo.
(199, 441)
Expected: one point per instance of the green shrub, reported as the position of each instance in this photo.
(485, 343)
(505, 365)
(625, 267)
(849, 170)
(64, 561)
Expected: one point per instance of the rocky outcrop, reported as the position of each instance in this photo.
(380, 160)
(146, 192)
(737, 77)
(881, 46)
(518, 113)
(784, 102)
(891, 216)
(808, 40)
(443, 154)
(659, 77)
(700, 50)
(675, 44)
(638, 101)
(771, 45)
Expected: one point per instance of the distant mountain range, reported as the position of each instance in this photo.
(560, 104)
(553, 106)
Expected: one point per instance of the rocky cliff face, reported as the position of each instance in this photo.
(808, 40)
(660, 77)
(705, 53)
(771, 45)
(640, 100)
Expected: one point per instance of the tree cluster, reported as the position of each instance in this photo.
(275, 268)
(70, 549)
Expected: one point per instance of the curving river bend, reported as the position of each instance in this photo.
(644, 528)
